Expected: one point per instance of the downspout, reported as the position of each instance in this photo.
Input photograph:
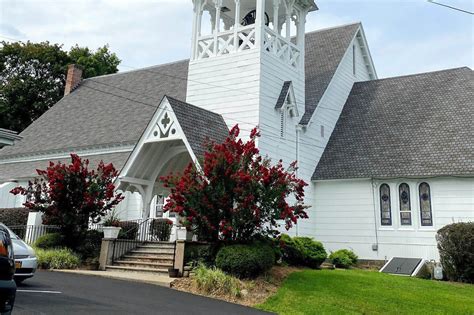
(375, 218)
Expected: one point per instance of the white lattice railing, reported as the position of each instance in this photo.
(226, 42)
(244, 38)
(280, 47)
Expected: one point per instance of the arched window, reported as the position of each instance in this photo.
(405, 206)
(425, 205)
(385, 209)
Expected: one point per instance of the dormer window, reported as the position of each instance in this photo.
(286, 105)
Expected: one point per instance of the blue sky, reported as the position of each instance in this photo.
(405, 36)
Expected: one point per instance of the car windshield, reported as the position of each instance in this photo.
(13, 236)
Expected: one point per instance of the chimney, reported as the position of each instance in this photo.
(73, 79)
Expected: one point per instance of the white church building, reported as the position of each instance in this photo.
(388, 161)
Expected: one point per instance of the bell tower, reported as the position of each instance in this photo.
(250, 61)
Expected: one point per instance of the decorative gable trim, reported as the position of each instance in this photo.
(287, 99)
(166, 126)
(163, 126)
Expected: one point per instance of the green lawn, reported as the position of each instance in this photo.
(368, 292)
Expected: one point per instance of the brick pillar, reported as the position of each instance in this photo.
(73, 78)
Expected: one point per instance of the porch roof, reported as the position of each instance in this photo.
(27, 170)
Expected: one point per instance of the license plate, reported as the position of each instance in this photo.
(17, 264)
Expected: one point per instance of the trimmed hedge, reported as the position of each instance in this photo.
(14, 216)
(50, 240)
(129, 230)
(245, 261)
(456, 251)
(343, 258)
(90, 247)
(161, 229)
(200, 253)
(302, 251)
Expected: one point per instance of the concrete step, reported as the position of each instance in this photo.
(157, 245)
(160, 243)
(138, 269)
(138, 263)
(150, 258)
(153, 251)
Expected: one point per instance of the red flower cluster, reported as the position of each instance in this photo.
(236, 194)
(71, 194)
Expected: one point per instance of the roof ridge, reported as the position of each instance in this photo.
(139, 69)
(207, 110)
(416, 74)
(334, 27)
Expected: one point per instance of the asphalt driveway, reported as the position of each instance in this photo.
(60, 293)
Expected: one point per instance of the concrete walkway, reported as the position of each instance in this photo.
(144, 277)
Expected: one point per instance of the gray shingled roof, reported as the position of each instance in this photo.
(115, 109)
(411, 126)
(26, 170)
(283, 94)
(199, 125)
(324, 52)
(110, 109)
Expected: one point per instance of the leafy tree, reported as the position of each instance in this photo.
(71, 195)
(237, 195)
(33, 75)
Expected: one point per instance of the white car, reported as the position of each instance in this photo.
(25, 258)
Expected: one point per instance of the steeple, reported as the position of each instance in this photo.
(239, 25)
(239, 69)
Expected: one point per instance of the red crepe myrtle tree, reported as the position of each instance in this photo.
(71, 195)
(236, 195)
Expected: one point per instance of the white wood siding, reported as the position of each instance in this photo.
(228, 85)
(347, 215)
(8, 200)
(273, 74)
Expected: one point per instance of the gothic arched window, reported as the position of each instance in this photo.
(425, 205)
(385, 208)
(405, 206)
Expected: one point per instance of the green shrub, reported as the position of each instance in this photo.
(245, 261)
(129, 230)
(343, 258)
(215, 281)
(90, 246)
(50, 240)
(302, 251)
(57, 258)
(14, 216)
(456, 251)
(200, 253)
(161, 229)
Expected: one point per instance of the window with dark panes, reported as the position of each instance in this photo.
(385, 208)
(426, 215)
(405, 207)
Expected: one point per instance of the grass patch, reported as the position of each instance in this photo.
(367, 292)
